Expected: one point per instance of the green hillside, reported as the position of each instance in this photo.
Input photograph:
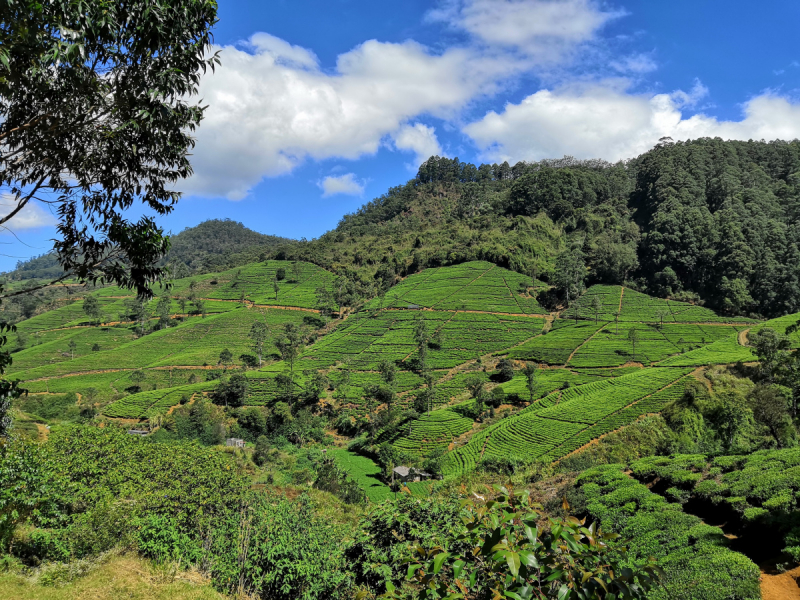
(596, 381)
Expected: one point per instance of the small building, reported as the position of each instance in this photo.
(409, 474)
(139, 432)
(413, 307)
(235, 442)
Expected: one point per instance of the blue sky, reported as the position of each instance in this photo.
(321, 106)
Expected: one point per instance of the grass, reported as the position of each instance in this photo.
(125, 576)
(364, 471)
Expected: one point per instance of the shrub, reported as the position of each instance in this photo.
(280, 550)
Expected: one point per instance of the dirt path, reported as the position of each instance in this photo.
(781, 586)
(621, 294)
(586, 341)
(743, 337)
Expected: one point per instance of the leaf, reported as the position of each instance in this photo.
(491, 541)
(512, 558)
(458, 566)
(563, 592)
(529, 559)
(412, 569)
(437, 562)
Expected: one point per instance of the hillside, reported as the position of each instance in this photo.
(706, 219)
(483, 325)
(476, 313)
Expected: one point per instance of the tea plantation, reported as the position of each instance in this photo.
(617, 356)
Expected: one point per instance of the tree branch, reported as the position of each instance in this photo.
(22, 202)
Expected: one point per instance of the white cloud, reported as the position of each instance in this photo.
(420, 139)
(342, 184)
(605, 121)
(274, 107)
(636, 63)
(31, 216)
(543, 29)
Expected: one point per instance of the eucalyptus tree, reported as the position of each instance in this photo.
(259, 333)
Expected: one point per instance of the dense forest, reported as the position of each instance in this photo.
(708, 220)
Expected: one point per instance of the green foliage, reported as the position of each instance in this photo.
(381, 542)
(331, 478)
(68, 104)
(501, 550)
(279, 548)
(694, 557)
(28, 488)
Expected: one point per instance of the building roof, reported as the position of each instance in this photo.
(405, 471)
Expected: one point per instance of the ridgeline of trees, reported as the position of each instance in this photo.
(706, 220)
(213, 245)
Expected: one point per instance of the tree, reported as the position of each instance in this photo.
(505, 370)
(531, 372)
(225, 357)
(570, 273)
(199, 306)
(597, 306)
(72, 347)
(232, 392)
(326, 304)
(91, 307)
(280, 274)
(138, 377)
(137, 311)
(316, 384)
(771, 348)
(95, 116)
(633, 338)
(770, 409)
(90, 394)
(660, 314)
(616, 322)
(297, 270)
(289, 346)
(388, 372)
(259, 333)
(163, 311)
(182, 303)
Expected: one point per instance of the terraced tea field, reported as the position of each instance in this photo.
(627, 355)
(565, 420)
(474, 286)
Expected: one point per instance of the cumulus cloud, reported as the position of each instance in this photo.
(271, 106)
(31, 216)
(341, 184)
(543, 29)
(419, 139)
(604, 120)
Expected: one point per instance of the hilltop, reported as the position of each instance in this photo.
(705, 220)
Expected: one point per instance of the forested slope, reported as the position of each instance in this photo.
(709, 220)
